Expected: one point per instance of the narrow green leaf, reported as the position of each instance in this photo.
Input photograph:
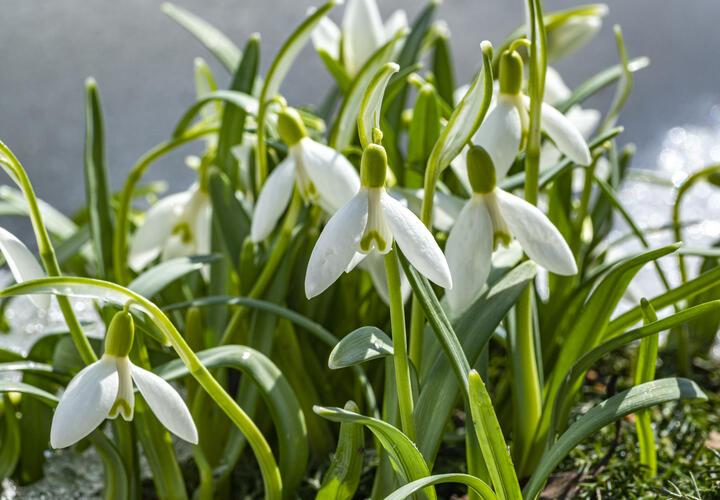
(440, 390)
(10, 439)
(96, 185)
(55, 221)
(238, 99)
(627, 402)
(276, 74)
(684, 291)
(343, 476)
(280, 399)
(475, 484)
(155, 279)
(232, 126)
(467, 116)
(205, 84)
(443, 67)
(601, 80)
(490, 437)
(409, 56)
(30, 390)
(232, 220)
(406, 458)
(337, 70)
(424, 127)
(646, 360)
(213, 39)
(360, 345)
(371, 105)
(590, 325)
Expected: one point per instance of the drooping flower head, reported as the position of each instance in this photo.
(322, 175)
(370, 222)
(104, 389)
(176, 226)
(502, 131)
(493, 216)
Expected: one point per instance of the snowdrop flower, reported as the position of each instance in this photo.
(22, 263)
(104, 389)
(321, 174)
(368, 223)
(362, 34)
(567, 36)
(176, 226)
(502, 130)
(492, 215)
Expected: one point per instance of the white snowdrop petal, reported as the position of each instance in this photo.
(374, 264)
(500, 135)
(273, 200)
(165, 403)
(585, 120)
(326, 37)
(459, 166)
(555, 89)
(564, 134)
(22, 263)
(363, 33)
(152, 234)
(86, 402)
(333, 176)
(469, 252)
(537, 235)
(336, 245)
(356, 259)
(416, 241)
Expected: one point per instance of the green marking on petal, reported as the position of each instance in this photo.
(183, 229)
(501, 237)
(369, 237)
(120, 406)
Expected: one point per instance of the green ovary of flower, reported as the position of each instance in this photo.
(290, 126)
(373, 166)
(481, 170)
(511, 72)
(120, 335)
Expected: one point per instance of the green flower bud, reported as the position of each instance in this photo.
(373, 166)
(510, 72)
(290, 126)
(120, 333)
(481, 170)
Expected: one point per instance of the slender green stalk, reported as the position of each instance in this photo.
(400, 357)
(263, 453)
(417, 333)
(123, 213)
(268, 272)
(683, 353)
(47, 252)
(645, 372)
(527, 372)
(525, 369)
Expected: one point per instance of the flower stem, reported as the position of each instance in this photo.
(260, 447)
(47, 252)
(525, 369)
(268, 272)
(123, 213)
(400, 357)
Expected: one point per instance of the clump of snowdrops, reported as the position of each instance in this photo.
(353, 266)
